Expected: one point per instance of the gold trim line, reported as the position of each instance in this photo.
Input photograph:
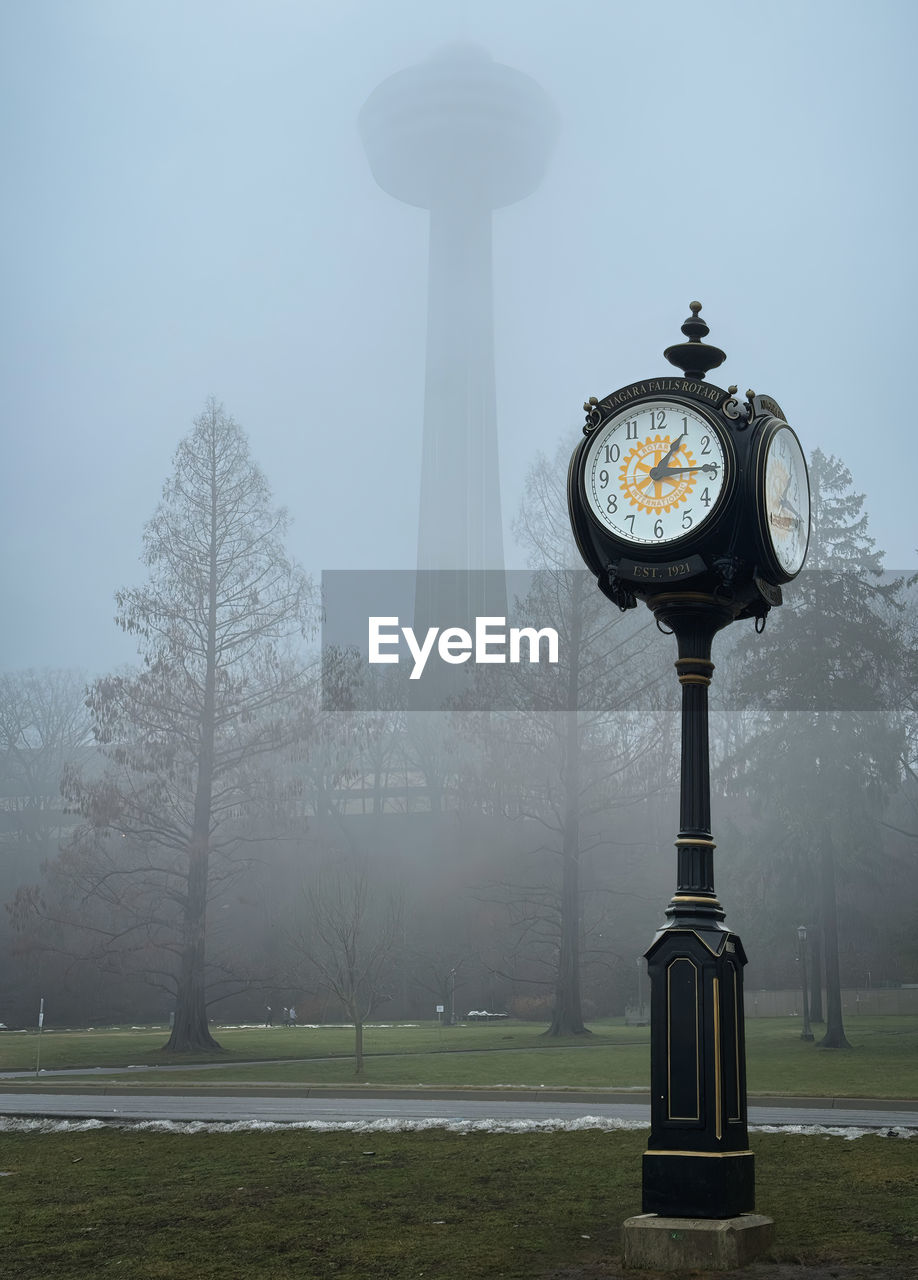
(718, 1101)
(736, 1035)
(705, 1155)
(669, 1041)
(668, 598)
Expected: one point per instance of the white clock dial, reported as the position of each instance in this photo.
(787, 500)
(654, 473)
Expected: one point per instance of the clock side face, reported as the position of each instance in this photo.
(787, 500)
(654, 473)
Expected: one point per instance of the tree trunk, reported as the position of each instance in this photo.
(815, 945)
(190, 1032)
(358, 1045)
(835, 1031)
(567, 1017)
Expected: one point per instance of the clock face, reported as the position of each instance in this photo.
(786, 500)
(654, 472)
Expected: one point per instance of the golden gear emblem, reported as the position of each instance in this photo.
(642, 489)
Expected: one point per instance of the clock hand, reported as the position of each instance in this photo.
(660, 468)
(708, 467)
(797, 519)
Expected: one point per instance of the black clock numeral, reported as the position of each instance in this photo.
(630, 520)
(603, 479)
(612, 504)
(705, 497)
(658, 529)
(705, 444)
(687, 518)
(631, 429)
(657, 419)
(613, 453)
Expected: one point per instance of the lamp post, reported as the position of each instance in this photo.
(806, 1033)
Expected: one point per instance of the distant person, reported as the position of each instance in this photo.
(292, 1016)
(268, 1015)
(286, 1016)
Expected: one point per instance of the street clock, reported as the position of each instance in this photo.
(697, 502)
(678, 480)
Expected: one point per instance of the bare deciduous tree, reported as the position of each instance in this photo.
(581, 737)
(349, 935)
(183, 737)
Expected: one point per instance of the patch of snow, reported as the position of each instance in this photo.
(13, 1124)
(835, 1131)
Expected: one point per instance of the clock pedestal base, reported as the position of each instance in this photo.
(655, 1243)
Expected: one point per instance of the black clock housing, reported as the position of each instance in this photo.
(627, 569)
(736, 537)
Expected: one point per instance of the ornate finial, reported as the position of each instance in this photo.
(695, 357)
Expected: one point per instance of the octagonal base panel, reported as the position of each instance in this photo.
(686, 1185)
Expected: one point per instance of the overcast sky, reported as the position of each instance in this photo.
(188, 211)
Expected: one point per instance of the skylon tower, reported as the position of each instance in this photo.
(459, 135)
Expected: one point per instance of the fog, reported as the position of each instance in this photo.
(196, 217)
(190, 211)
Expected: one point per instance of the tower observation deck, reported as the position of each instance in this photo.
(460, 135)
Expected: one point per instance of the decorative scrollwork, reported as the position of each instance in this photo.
(736, 411)
(593, 415)
(615, 590)
(729, 569)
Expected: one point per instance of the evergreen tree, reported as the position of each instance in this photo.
(823, 753)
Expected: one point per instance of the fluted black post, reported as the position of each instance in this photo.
(697, 1164)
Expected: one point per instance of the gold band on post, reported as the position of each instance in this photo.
(703, 1155)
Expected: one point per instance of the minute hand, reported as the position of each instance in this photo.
(709, 467)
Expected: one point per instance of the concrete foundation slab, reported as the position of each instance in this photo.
(652, 1243)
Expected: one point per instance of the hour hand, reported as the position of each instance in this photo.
(671, 452)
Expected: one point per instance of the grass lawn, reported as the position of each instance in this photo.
(121, 1046)
(219, 1206)
(882, 1063)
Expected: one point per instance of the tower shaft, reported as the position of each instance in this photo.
(460, 514)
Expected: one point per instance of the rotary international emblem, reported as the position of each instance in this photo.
(658, 474)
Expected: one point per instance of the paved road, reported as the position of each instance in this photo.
(335, 1110)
